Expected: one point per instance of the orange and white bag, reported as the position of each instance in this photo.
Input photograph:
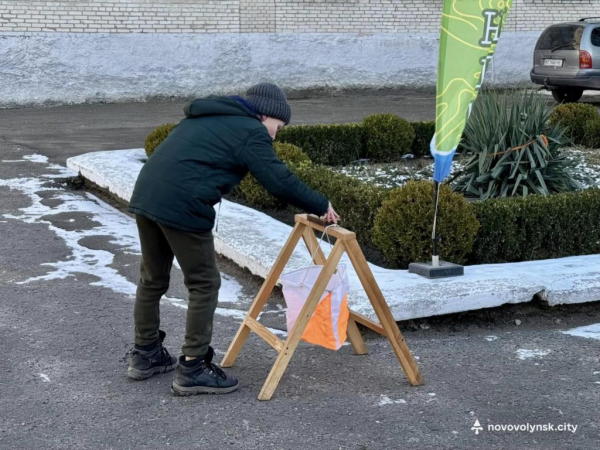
(327, 327)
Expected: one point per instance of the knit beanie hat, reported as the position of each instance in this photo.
(269, 100)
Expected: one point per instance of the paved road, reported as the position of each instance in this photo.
(68, 266)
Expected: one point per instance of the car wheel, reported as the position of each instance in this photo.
(567, 95)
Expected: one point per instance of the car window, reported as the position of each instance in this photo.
(596, 36)
(560, 37)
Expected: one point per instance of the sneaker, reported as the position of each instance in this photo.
(151, 360)
(201, 376)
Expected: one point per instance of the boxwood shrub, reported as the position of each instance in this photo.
(403, 226)
(574, 117)
(157, 135)
(388, 137)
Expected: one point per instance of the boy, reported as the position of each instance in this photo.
(204, 157)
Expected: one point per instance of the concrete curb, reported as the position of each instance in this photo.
(253, 240)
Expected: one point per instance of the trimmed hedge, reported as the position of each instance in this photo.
(537, 227)
(332, 145)
(389, 137)
(404, 225)
(380, 137)
(574, 117)
(157, 135)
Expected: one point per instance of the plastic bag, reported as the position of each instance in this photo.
(327, 327)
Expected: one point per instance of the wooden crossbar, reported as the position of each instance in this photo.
(345, 243)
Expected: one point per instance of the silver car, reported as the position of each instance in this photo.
(567, 59)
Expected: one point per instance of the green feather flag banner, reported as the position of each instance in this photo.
(470, 32)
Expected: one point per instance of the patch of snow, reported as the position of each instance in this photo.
(277, 332)
(36, 158)
(119, 227)
(385, 400)
(526, 354)
(224, 312)
(253, 240)
(588, 332)
(44, 378)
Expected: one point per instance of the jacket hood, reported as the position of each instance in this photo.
(217, 106)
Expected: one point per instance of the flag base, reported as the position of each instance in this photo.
(444, 270)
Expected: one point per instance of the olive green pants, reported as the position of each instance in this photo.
(195, 253)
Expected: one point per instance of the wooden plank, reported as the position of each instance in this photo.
(297, 330)
(359, 318)
(382, 310)
(263, 294)
(264, 334)
(317, 224)
(355, 338)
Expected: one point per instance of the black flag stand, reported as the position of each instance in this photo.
(437, 268)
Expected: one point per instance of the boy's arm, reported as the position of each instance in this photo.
(264, 165)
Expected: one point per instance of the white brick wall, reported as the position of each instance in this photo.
(139, 16)
(264, 16)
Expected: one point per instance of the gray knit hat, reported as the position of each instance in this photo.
(268, 99)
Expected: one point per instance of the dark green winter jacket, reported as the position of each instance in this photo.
(205, 156)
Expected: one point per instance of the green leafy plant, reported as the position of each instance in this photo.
(403, 226)
(157, 135)
(388, 137)
(513, 149)
(574, 118)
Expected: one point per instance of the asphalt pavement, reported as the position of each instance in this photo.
(68, 267)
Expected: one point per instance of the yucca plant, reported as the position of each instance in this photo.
(513, 150)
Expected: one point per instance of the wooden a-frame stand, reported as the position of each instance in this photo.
(346, 241)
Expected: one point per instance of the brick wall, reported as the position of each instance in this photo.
(263, 16)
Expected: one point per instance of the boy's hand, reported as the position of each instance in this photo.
(331, 216)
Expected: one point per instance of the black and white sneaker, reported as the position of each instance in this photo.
(201, 376)
(150, 360)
